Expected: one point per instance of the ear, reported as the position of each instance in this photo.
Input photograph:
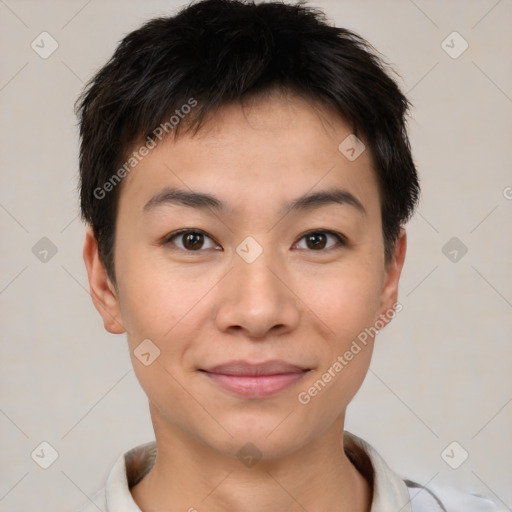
(389, 294)
(103, 293)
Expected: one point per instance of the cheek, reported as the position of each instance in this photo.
(346, 301)
(157, 298)
(159, 307)
(349, 306)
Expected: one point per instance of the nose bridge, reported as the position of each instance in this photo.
(254, 296)
(256, 273)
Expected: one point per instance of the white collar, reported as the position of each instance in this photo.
(389, 490)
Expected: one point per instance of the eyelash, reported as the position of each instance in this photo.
(342, 241)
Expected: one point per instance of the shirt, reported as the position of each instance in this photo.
(391, 493)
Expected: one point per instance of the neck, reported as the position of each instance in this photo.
(188, 475)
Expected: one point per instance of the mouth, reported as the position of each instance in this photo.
(255, 380)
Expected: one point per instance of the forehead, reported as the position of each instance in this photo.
(278, 146)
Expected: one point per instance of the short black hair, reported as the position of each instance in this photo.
(214, 52)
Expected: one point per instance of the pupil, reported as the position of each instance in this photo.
(316, 243)
(193, 241)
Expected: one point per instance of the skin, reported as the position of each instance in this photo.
(208, 306)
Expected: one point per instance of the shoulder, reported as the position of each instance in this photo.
(128, 469)
(95, 503)
(447, 499)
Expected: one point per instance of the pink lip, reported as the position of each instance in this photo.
(258, 380)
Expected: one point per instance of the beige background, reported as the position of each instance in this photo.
(442, 371)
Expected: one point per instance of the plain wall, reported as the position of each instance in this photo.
(441, 371)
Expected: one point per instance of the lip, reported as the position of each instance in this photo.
(255, 380)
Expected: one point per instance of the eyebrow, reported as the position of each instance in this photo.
(205, 201)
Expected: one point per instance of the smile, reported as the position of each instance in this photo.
(260, 386)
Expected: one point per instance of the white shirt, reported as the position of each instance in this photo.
(390, 492)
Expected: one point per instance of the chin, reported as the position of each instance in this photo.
(269, 438)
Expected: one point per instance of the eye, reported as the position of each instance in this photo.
(317, 240)
(191, 240)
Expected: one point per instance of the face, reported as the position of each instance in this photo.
(278, 257)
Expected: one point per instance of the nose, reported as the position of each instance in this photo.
(257, 298)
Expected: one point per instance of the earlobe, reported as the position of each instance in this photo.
(102, 290)
(389, 294)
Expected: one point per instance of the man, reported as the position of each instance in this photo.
(246, 176)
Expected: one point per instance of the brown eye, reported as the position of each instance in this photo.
(190, 240)
(318, 240)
